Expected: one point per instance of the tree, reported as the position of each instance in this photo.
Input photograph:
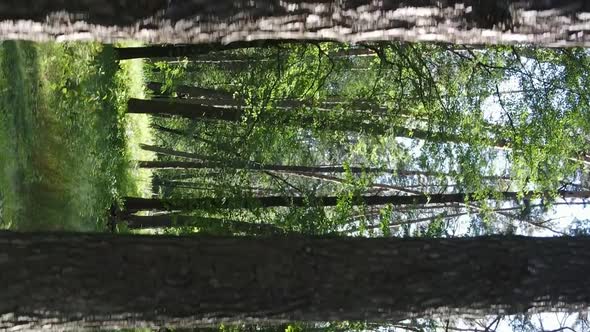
(133, 204)
(196, 51)
(353, 121)
(468, 22)
(62, 281)
(182, 108)
(173, 51)
(202, 161)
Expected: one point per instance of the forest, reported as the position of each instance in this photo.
(291, 182)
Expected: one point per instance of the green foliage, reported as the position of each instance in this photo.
(399, 107)
(67, 163)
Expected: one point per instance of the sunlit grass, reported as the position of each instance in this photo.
(137, 128)
(65, 145)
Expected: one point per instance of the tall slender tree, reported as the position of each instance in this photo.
(306, 118)
(133, 204)
(175, 51)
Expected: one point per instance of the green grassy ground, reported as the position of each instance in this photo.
(64, 156)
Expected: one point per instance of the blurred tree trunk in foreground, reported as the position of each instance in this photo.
(76, 281)
(552, 23)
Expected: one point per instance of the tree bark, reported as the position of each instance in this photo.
(220, 97)
(211, 93)
(189, 110)
(192, 51)
(133, 204)
(62, 281)
(550, 23)
(176, 51)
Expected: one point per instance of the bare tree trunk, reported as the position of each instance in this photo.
(133, 204)
(205, 162)
(209, 53)
(176, 51)
(336, 121)
(308, 171)
(220, 97)
(256, 191)
(55, 281)
(189, 110)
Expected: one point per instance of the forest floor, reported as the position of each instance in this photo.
(65, 142)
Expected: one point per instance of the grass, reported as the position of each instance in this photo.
(64, 140)
(137, 128)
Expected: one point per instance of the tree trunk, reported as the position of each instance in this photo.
(231, 164)
(133, 204)
(256, 191)
(176, 51)
(551, 23)
(192, 51)
(336, 121)
(210, 225)
(75, 281)
(228, 58)
(203, 161)
(212, 93)
(220, 97)
(213, 97)
(186, 134)
(189, 110)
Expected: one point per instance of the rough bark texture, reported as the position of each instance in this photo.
(59, 281)
(133, 204)
(548, 22)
